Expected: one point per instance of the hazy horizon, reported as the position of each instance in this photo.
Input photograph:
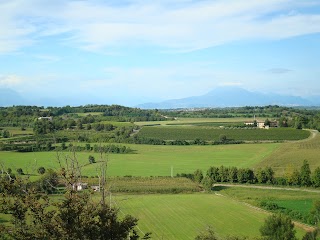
(133, 52)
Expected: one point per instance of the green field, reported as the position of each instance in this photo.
(148, 160)
(143, 185)
(16, 131)
(183, 216)
(303, 206)
(293, 200)
(255, 195)
(291, 155)
(210, 134)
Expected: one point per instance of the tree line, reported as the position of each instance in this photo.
(302, 177)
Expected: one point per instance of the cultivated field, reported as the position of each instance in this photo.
(291, 155)
(191, 121)
(211, 134)
(183, 216)
(148, 160)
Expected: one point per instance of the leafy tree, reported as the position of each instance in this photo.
(49, 181)
(198, 176)
(294, 178)
(41, 170)
(5, 133)
(313, 235)
(222, 138)
(305, 174)
(261, 176)
(233, 171)
(278, 227)
(207, 183)
(91, 159)
(316, 177)
(267, 122)
(74, 217)
(20, 171)
(207, 235)
(88, 147)
(213, 173)
(223, 173)
(315, 211)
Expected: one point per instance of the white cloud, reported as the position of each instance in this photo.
(11, 81)
(178, 25)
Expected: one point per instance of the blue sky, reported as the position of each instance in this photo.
(130, 52)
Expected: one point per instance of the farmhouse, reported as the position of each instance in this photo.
(46, 118)
(261, 124)
(80, 186)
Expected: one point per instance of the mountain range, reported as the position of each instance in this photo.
(218, 97)
(233, 97)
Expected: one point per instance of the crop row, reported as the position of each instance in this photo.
(213, 134)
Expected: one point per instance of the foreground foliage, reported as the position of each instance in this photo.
(75, 216)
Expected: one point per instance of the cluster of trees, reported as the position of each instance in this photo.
(67, 117)
(75, 216)
(4, 133)
(302, 177)
(156, 141)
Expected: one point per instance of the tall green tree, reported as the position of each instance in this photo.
(316, 177)
(198, 176)
(278, 227)
(305, 174)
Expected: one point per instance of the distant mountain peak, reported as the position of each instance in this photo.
(230, 96)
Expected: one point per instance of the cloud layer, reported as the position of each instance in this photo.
(171, 25)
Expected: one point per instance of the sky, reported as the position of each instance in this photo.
(76, 52)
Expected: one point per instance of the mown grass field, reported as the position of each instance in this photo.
(183, 216)
(210, 134)
(291, 155)
(287, 200)
(148, 160)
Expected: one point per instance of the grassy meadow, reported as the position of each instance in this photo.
(183, 216)
(291, 155)
(149, 160)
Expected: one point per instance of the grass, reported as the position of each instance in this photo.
(149, 160)
(16, 131)
(210, 134)
(300, 205)
(148, 184)
(299, 199)
(291, 155)
(183, 216)
(89, 113)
